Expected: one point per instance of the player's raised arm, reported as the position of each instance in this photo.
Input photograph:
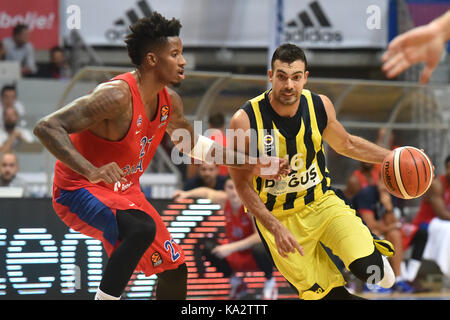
(346, 144)
(285, 241)
(106, 102)
(202, 148)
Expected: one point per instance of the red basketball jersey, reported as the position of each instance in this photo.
(132, 153)
(426, 212)
(238, 226)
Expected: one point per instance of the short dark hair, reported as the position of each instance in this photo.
(216, 120)
(289, 53)
(447, 160)
(149, 33)
(56, 49)
(7, 87)
(19, 28)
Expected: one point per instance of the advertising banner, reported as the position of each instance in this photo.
(42, 18)
(237, 23)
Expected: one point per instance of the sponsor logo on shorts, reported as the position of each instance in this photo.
(118, 186)
(316, 288)
(156, 259)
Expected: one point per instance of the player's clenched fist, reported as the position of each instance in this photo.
(109, 173)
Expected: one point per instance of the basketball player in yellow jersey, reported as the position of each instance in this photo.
(299, 213)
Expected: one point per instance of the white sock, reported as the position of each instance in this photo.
(413, 269)
(404, 270)
(389, 276)
(100, 295)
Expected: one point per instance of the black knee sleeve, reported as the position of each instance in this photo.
(172, 284)
(418, 244)
(137, 231)
(368, 269)
(137, 225)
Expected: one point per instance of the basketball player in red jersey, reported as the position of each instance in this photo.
(105, 140)
(436, 201)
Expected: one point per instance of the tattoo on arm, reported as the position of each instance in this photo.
(106, 102)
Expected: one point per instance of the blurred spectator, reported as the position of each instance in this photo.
(241, 251)
(18, 48)
(389, 142)
(9, 100)
(57, 68)
(208, 176)
(9, 166)
(431, 236)
(11, 136)
(366, 175)
(2, 51)
(374, 205)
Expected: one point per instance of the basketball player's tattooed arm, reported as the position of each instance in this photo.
(346, 144)
(271, 168)
(107, 101)
(285, 241)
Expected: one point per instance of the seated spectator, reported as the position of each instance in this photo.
(243, 249)
(18, 48)
(431, 237)
(366, 175)
(208, 176)
(57, 68)
(9, 100)
(9, 166)
(374, 205)
(11, 135)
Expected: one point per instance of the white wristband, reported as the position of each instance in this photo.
(201, 148)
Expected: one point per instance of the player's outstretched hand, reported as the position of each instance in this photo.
(109, 173)
(422, 44)
(286, 242)
(272, 168)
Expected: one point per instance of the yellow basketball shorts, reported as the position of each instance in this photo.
(327, 220)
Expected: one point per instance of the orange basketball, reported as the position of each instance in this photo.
(407, 172)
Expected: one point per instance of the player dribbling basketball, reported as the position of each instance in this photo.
(298, 214)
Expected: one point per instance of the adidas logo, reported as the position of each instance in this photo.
(121, 25)
(305, 29)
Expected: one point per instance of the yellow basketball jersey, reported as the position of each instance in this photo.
(299, 139)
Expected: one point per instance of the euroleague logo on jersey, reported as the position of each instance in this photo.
(164, 113)
(156, 259)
